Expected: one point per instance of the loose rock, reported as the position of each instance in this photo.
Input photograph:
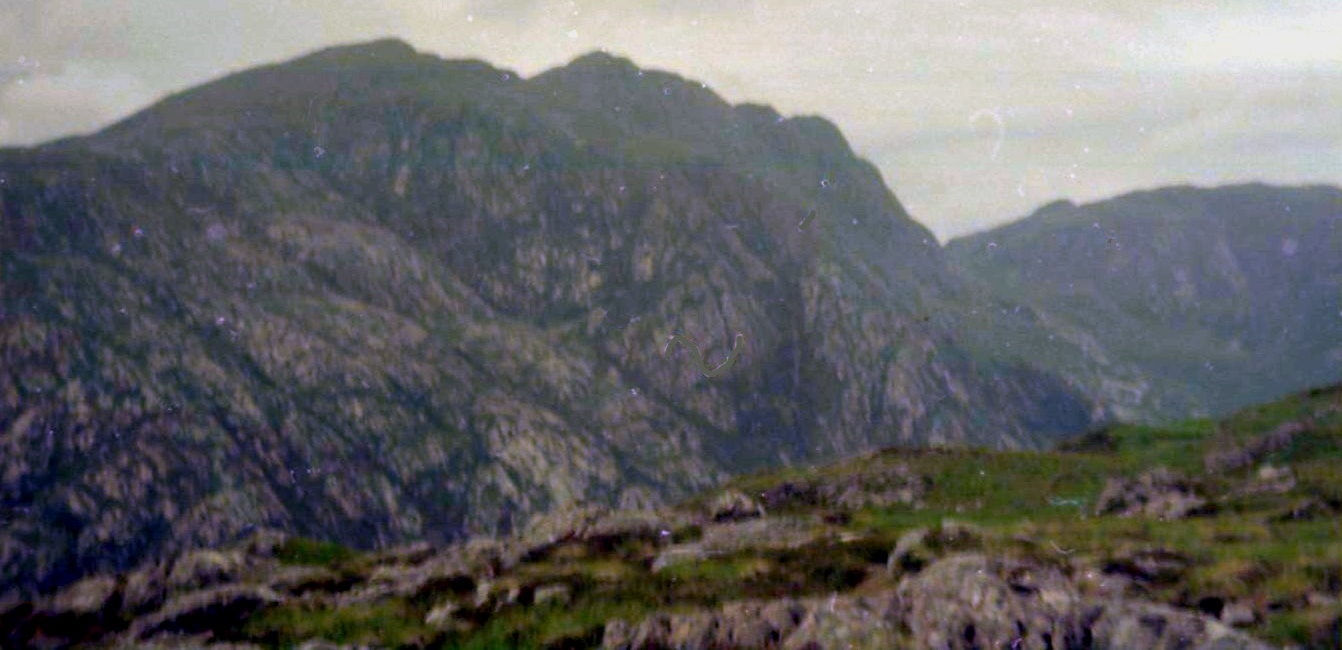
(1160, 494)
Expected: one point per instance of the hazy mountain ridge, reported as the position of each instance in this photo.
(1180, 300)
(372, 296)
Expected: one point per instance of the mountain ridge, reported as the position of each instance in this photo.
(377, 302)
(1244, 276)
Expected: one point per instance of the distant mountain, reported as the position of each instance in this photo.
(374, 296)
(1174, 302)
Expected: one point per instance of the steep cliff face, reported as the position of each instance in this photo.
(1180, 300)
(371, 296)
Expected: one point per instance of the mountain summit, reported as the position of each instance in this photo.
(373, 296)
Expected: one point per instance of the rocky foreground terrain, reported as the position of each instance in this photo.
(1211, 534)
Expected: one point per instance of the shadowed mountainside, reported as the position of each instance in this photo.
(1175, 301)
(374, 296)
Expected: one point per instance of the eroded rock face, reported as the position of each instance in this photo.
(1159, 494)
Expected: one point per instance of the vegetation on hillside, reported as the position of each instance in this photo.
(1239, 523)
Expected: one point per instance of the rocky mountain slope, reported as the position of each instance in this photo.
(1222, 535)
(373, 296)
(1174, 301)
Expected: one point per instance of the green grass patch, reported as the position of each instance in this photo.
(304, 551)
(1310, 629)
(579, 625)
(390, 623)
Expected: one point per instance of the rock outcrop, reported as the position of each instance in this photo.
(959, 602)
(1158, 494)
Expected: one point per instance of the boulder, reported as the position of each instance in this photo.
(1159, 493)
(491, 595)
(733, 505)
(323, 644)
(144, 592)
(679, 554)
(1322, 600)
(1303, 510)
(263, 542)
(598, 526)
(918, 547)
(441, 616)
(770, 534)
(446, 574)
(1123, 625)
(868, 622)
(206, 568)
(774, 533)
(837, 622)
(1239, 614)
(790, 494)
(297, 580)
(194, 642)
(90, 596)
(879, 487)
(80, 613)
(1271, 480)
(1148, 565)
(410, 554)
(1232, 457)
(557, 593)
(1095, 582)
(970, 601)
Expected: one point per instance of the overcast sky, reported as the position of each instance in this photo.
(976, 112)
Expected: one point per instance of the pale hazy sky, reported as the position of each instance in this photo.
(976, 112)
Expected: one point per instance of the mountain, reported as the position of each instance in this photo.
(1232, 544)
(373, 296)
(1175, 301)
